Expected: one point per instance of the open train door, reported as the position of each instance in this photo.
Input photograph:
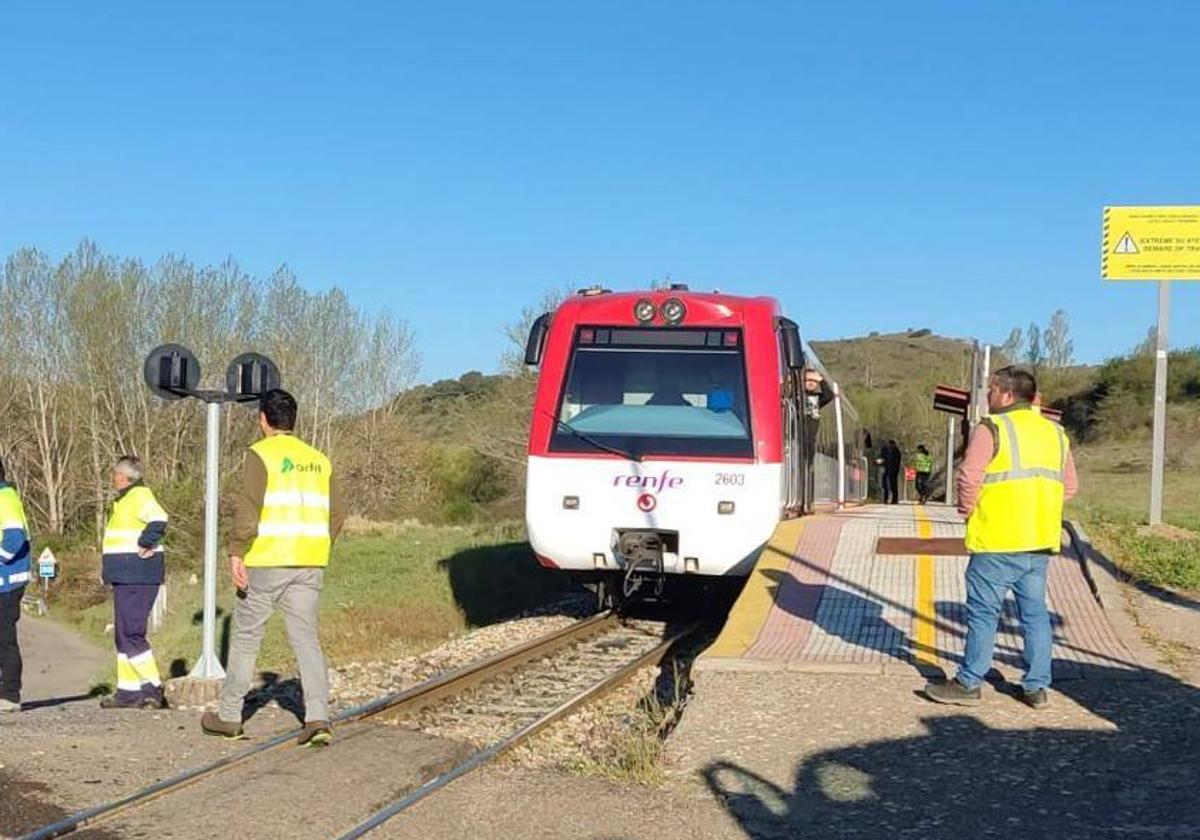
(798, 476)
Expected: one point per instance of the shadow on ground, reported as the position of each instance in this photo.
(965, 779)
(497, 582)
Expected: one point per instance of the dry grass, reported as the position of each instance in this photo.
(632, 743)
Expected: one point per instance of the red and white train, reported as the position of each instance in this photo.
(672, 430)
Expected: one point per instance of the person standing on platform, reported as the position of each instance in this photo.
(923, 467)
(286, 518)
(14, 576)
(132, 561)
(1015, 477)
(893, 458)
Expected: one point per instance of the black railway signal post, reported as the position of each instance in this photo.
(172, 372)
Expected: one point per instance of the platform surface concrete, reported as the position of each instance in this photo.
(821, 599)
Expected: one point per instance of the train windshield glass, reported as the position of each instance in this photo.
(663, 392)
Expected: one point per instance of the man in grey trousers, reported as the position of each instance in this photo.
(286, 517)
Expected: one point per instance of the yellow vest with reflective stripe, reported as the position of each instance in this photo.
(12, 513)
(1021, 500)
(131, 512)
(14, 570)
(293, 529)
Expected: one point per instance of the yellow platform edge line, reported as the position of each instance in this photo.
(750, 611)
(924, 627)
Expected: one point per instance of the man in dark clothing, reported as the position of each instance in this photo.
(892, 459)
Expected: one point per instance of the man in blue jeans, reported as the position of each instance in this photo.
(1015, 477)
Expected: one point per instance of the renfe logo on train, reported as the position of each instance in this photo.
(661, 482)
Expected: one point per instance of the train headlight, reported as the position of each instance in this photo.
(725, 508)
(673, 310)
(570, 503)
(643, 310)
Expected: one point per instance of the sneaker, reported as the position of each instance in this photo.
(953, 693)
(1039, 698)
(211, 724)
(112, 702)
(316, 733)
(9, 707)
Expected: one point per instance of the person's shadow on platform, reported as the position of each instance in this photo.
(838, 612)
(962, 778)
(834, 607)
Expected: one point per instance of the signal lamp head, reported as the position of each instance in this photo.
(643, 310)
(673, 310)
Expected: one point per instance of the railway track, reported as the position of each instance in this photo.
(513, 694)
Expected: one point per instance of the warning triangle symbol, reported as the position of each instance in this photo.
(1126, 245)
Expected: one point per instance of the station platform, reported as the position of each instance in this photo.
(823, 598)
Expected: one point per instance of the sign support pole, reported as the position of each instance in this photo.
(1158, 450)
(950, 460)
(841, 445)
(208, 666)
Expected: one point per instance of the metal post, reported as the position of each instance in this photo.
(973, 386)
(208, 666)
(1158, 449)
(841, 445)
(985, 375)
(950, 460)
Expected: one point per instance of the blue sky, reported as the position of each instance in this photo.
(876, 166)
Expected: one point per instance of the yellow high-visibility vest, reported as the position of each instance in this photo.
(133, 510)
(293, 529)
(14, 568)
(1021, 501)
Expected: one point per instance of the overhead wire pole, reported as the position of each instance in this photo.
(1159, 443)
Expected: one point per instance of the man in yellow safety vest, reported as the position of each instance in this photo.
(132, 561)
(1015, 476)
(14, 576)
(286, 518)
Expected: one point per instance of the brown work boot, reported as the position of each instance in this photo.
(316, 733)
(1038, 698)
(212, 724)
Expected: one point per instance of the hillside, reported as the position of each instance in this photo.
(896, 360)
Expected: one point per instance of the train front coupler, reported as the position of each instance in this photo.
(642, 552)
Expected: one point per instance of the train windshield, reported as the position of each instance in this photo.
(655, 391)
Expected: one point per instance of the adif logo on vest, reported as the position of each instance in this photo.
(289, 465)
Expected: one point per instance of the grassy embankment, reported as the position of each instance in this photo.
(1113, 501)
(390, 590)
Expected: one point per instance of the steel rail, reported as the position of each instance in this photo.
(413, 698)
(482, 757)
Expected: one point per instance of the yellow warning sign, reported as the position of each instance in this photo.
(1150, 243)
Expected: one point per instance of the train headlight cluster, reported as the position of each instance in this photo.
(673, 310)
(643, 310)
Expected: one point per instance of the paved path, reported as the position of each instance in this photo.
(59, 663)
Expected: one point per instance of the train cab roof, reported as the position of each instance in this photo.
(674, 306)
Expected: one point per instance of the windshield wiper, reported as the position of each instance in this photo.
(629, 456)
